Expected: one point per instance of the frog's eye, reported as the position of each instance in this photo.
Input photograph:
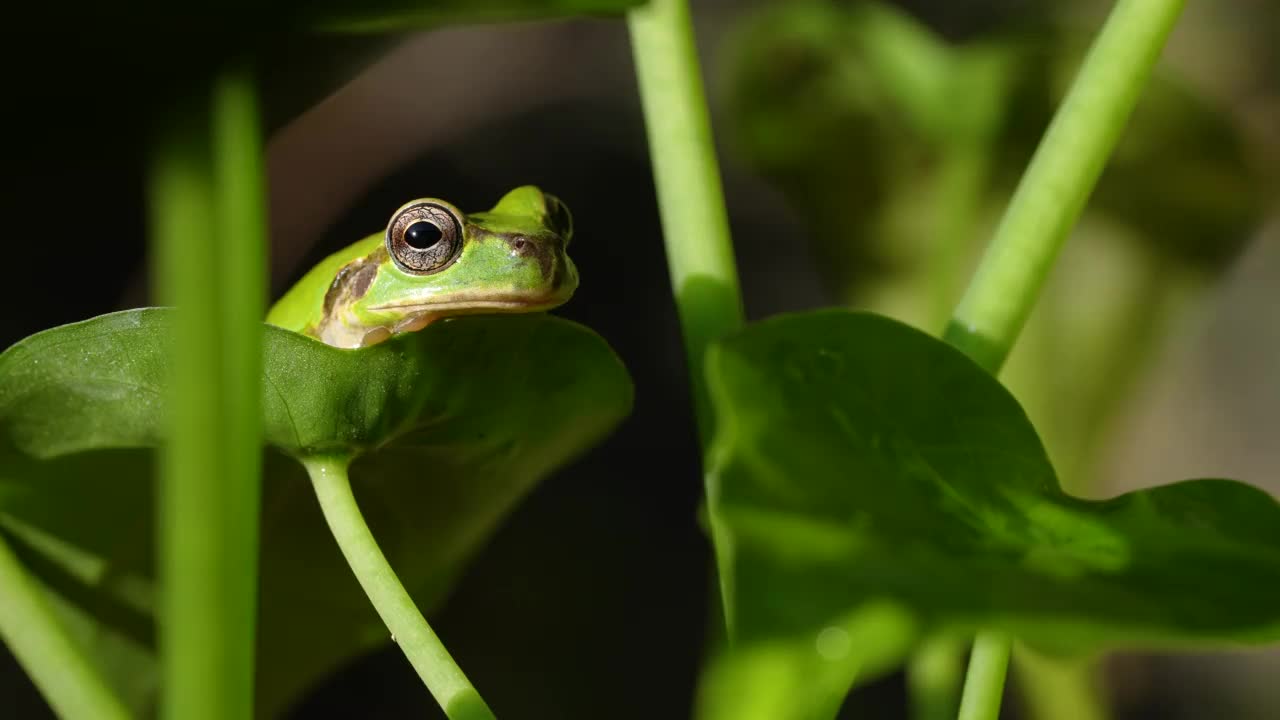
(424, 238)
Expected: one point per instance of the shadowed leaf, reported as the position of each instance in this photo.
(450, 427)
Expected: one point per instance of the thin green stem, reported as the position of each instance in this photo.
(208, 234)
(31, 631)
(984, 680)
(695, 224)
(1059, 689)
(1045, 206)
(1063, 172)
(933, 678)
(409, 629)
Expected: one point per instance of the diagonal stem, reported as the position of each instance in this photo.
(1044, 208)
(409, 629)
(1059, 179)
(30, 629)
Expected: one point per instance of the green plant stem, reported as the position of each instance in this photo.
(933, 678)
(984, 680)
(240, 201)
(1059, 689)
(1045, 206)
(409, 629)
(1062, 173)
(695, 224)
(208, 234)
(31, 631)
(240, 196)
(194, 659)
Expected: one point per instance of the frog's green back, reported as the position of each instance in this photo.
(303, 304)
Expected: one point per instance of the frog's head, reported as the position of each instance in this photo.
(436, 262)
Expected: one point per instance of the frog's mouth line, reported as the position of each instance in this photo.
(416, 316)
(421, 315)
(527, 304)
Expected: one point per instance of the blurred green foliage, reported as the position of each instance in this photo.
(852, 109)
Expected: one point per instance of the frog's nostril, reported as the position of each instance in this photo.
(520, 245)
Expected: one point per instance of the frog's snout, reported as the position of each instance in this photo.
(546, 251)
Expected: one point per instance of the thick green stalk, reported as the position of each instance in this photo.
(1062, 173)
(191, 626)
(31, 631)
(695, 224)
(1044, 208)
(208, 234)
(409, 629)
(240, 201)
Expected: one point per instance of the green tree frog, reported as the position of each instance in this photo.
(432, 262)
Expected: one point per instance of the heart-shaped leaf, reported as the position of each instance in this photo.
(451, 426)
(861, 464)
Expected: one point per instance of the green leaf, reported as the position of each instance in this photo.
(860, 462)
(451, 426)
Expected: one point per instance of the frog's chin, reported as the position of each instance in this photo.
(420, 315)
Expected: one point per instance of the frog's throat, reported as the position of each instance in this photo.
(343, 330)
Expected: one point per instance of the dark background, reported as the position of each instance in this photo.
(591, 600)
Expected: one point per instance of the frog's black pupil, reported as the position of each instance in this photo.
(422, 235)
